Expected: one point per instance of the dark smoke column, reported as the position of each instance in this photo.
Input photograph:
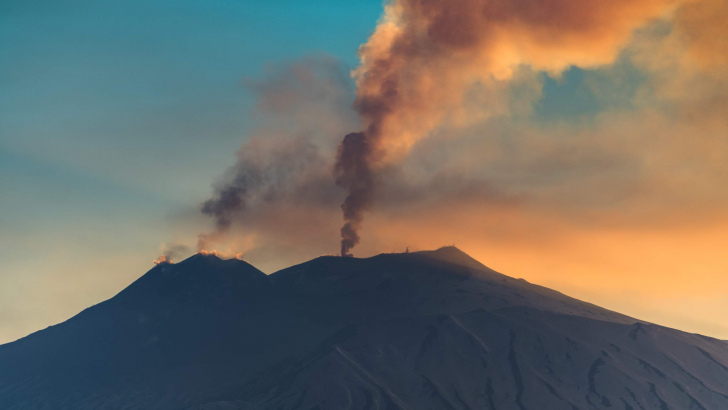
(353, 172)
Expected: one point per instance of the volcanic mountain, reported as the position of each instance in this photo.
(412, 331)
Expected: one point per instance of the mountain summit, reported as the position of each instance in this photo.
(412, 331)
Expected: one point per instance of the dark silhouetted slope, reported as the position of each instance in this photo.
(415, 331)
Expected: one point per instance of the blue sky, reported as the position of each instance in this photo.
(117, 115)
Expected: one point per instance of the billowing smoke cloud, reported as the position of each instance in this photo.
(425, 54)
(435, 69)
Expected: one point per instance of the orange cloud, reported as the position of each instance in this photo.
(424, 55)
(701, 26)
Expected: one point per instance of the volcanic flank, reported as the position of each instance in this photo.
(416, 331)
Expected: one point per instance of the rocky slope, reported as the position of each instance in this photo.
(424, 330)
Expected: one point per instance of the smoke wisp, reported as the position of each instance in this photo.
(285, 166)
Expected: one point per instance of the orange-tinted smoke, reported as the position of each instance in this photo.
(162, 260)
(425, 54)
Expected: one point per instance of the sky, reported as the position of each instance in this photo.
(581, 146)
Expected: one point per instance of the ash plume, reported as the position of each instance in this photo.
(353, 173)
(425, 54)
(417, 75)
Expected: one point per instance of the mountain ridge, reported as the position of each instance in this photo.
(420, 330)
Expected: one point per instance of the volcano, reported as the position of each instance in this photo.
(413, 331)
